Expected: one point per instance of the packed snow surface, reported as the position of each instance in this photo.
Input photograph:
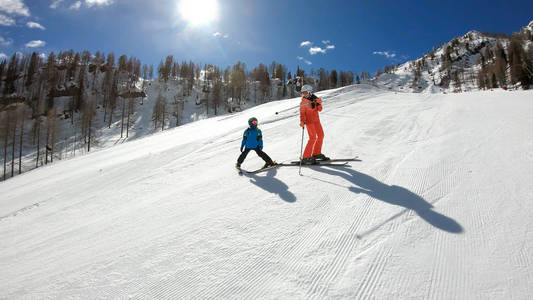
(439, 208)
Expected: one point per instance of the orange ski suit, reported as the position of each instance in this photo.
(309, 109)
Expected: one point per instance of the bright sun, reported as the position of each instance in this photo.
(198, 12)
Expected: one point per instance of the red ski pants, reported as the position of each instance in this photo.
(316, 136)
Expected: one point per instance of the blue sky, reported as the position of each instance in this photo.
(342, 35)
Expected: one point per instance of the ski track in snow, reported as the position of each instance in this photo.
(438, 208)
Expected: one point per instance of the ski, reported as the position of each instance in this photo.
(318, 163)
(293, 164)
(261, 170)
(344, 159)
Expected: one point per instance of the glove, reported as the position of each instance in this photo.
(302, 124)
(261, 148)
(313, 104)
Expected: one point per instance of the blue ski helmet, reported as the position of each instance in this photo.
(252, 122)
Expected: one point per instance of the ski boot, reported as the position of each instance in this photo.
(309, 161)
(321, 157)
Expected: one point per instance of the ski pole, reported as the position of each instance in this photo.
(301, 151)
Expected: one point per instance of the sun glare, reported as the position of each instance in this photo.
(198, 12)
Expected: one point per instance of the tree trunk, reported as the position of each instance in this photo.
(128, 122)
(13, 149)
(110, 117)
(47, 139)
(38, 120)
(6, 137)
(21, 139)
(163, 119)
(122, 121)
(89, 130)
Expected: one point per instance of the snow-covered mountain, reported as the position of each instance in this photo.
(438, 208)
(455, 66)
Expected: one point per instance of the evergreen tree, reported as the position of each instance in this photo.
(32, 69)
(333, 79)
(11, 75)
(518, 62)
(323, 80)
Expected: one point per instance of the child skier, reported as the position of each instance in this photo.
(309, 108)
(253, 140)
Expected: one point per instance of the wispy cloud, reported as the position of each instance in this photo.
(305, 44)
(304, 60)
(326, 42)
(75, 6)
(35, 44)
(6, 21)
(4, 42)
(55, 4)
(3, 55)
(35, 25)
(91, 3)
(387, 54)
(16, 7)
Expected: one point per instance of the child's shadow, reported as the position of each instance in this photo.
(273, 185)
(395, 195)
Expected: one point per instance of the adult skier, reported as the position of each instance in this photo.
(253, 140)
(309, 108)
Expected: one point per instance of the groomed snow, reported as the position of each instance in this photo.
(439, 208)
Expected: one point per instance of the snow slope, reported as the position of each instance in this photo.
(439, 208)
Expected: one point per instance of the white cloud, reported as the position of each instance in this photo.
(3, 55)
(387, 54)
(315, 50)
(35, 25)
(6, 21)
(304, 60)
(16, 7)
(4, 42)
(43, 56)
(218, 34)
(55, 4)
(75, 6)
(91, 3)
(35, 44)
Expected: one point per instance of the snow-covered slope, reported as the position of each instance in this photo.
(465, 56)
(453, 67)
(439, 208)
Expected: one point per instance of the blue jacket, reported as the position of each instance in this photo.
(252, 139)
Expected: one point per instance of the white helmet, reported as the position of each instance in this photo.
(307, 88)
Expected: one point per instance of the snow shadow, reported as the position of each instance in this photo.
(395, 195)
(273, 185)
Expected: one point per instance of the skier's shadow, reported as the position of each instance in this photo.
(273, 185)
(395, 195)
